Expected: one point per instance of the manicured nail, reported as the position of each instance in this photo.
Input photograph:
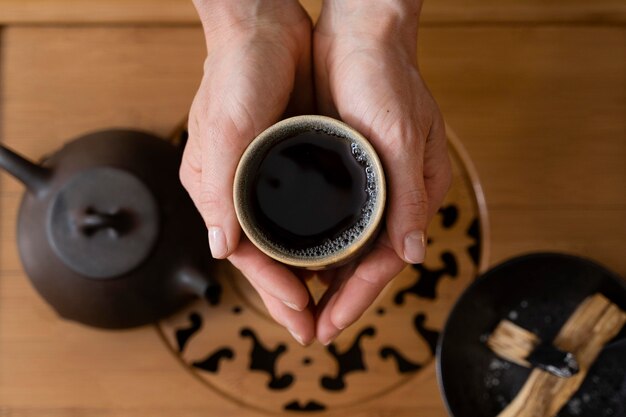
(340, 322)
(414, 247)
(340, 325)
(292, 306)
(330, 335)
(330, 339)
(297, 337)
(217, 242)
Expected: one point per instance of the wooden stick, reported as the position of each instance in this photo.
(593, 324)
(512, 342)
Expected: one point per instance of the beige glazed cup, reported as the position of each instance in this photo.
(330, 251)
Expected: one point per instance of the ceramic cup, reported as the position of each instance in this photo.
(310, 192)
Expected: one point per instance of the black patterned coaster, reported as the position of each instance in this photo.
(236, 349)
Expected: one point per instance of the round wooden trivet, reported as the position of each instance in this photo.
(236, 349)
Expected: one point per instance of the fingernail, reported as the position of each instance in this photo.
(296, 336)
(217, 242)
(340, 324)
(414, 247)
(330, 339)
(292, 306)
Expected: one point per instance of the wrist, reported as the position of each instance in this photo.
(378, 20)
(224, 19)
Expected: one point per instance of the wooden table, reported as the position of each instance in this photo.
(537, 93)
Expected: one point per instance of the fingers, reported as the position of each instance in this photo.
(244, 91)
(407, 211)
(358, 291)
(418, 183)
(397, 123)
(437, 167)
(207, 173)
(325, 330)
(274, 278)
(401, 137)
(285, 296)
(300, 324)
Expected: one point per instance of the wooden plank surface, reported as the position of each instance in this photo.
(435, 11)
(540, 109)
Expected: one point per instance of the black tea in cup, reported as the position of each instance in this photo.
(309, 192)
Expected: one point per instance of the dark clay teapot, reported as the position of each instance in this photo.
(107, 234)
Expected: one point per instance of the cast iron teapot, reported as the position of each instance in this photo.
(106, 232)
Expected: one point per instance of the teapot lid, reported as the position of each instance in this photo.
(103, 223)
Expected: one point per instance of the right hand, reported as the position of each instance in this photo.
(257, 69)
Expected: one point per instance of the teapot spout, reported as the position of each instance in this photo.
(34, 177)
(193, 281)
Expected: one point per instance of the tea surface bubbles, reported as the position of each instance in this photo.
(309, 188)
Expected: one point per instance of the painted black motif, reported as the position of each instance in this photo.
(212, 362)
(349, 361)
(404, 365)
(310, 406)
(474, 249)
(184, 334)
(427, 279)
(264, 360)
(430, 336)
(449, 215)
(213, 294)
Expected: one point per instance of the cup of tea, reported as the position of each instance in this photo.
(310, 192)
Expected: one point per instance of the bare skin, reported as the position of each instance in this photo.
(264, 58)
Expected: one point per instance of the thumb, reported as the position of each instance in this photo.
(240, 95)
(207, 170)
(407, 209)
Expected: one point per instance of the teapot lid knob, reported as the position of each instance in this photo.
(103, 223)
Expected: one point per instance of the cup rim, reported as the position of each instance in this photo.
(270, 136)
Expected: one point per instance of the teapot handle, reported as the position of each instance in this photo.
(34, 176)
(192, 281)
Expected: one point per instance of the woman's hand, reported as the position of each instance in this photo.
(365, 61)
(258, 68)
